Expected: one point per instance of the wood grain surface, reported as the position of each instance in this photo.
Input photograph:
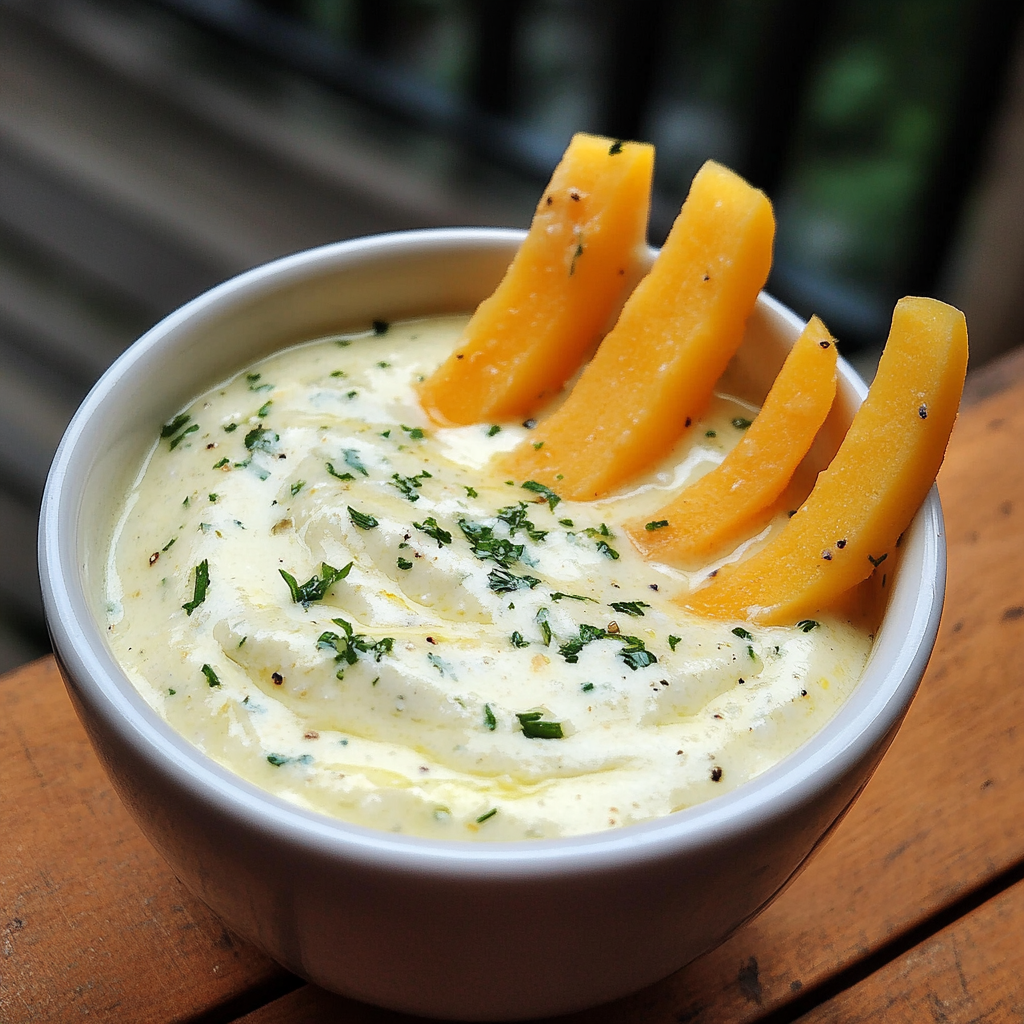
(971, 971)
(919, 880)
(93, 924)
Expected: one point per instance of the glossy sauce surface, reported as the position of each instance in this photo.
(496, 664)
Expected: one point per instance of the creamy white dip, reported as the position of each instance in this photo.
(450, 685)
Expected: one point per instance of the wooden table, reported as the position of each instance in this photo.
(913, 911)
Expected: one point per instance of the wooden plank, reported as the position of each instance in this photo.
(969, 972)
(92, 921)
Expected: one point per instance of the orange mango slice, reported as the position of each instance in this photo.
(655, 370)
(869, 493)
(725, 504)
(560, 293)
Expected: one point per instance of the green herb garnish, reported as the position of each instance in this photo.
(535, 728)
(278, 759)
(170, 429)
(181, 437)
(807, 625)
(211, 676)
(337, 475)
(471, 492)
(741, 422)
(408, 485)
(503, 582)
(742, 633)
(486, 546)
(297, 486)
(517, 640)
(634, 608)
(255, 385)
(261, 439)
(361, 519)
(404, 563)
(431, 529)
(380, 327)
(571, 649)
(223, 462)
(490, 722)
(633, 651)
(353, 461)
(635, 654)
(202, 584)
(558, 596)
(443, 667)
(587, 687)
(493, 429)
(484, 817)
(514, 517)
(349, 646)
(545, 626)
(316, 587)
(673, 641)
(546, 492)
(656, 524)
(415, 433)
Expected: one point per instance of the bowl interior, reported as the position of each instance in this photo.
(343, 287)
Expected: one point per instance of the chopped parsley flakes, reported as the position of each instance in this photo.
(633, 651)
(431, 529)
(536, 728)
(634, 608)
(545, 492)
(181, 437)
(408, 485)
(260, 439)
(348, 645)
(503, 582)
(202, 584)
(170, 429)
(353, 461)
(361, 519)
(316, 587)
(486, 546)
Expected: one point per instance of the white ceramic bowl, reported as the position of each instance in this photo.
(485, 931)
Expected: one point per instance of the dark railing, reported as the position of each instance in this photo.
(777, 50)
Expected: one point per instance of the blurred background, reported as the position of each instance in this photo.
(151, 148)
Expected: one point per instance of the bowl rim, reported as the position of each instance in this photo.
(864, 723)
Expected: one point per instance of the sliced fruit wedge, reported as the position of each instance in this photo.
(655, 371)
(559, 295)
(728, 503)
(869, 493)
